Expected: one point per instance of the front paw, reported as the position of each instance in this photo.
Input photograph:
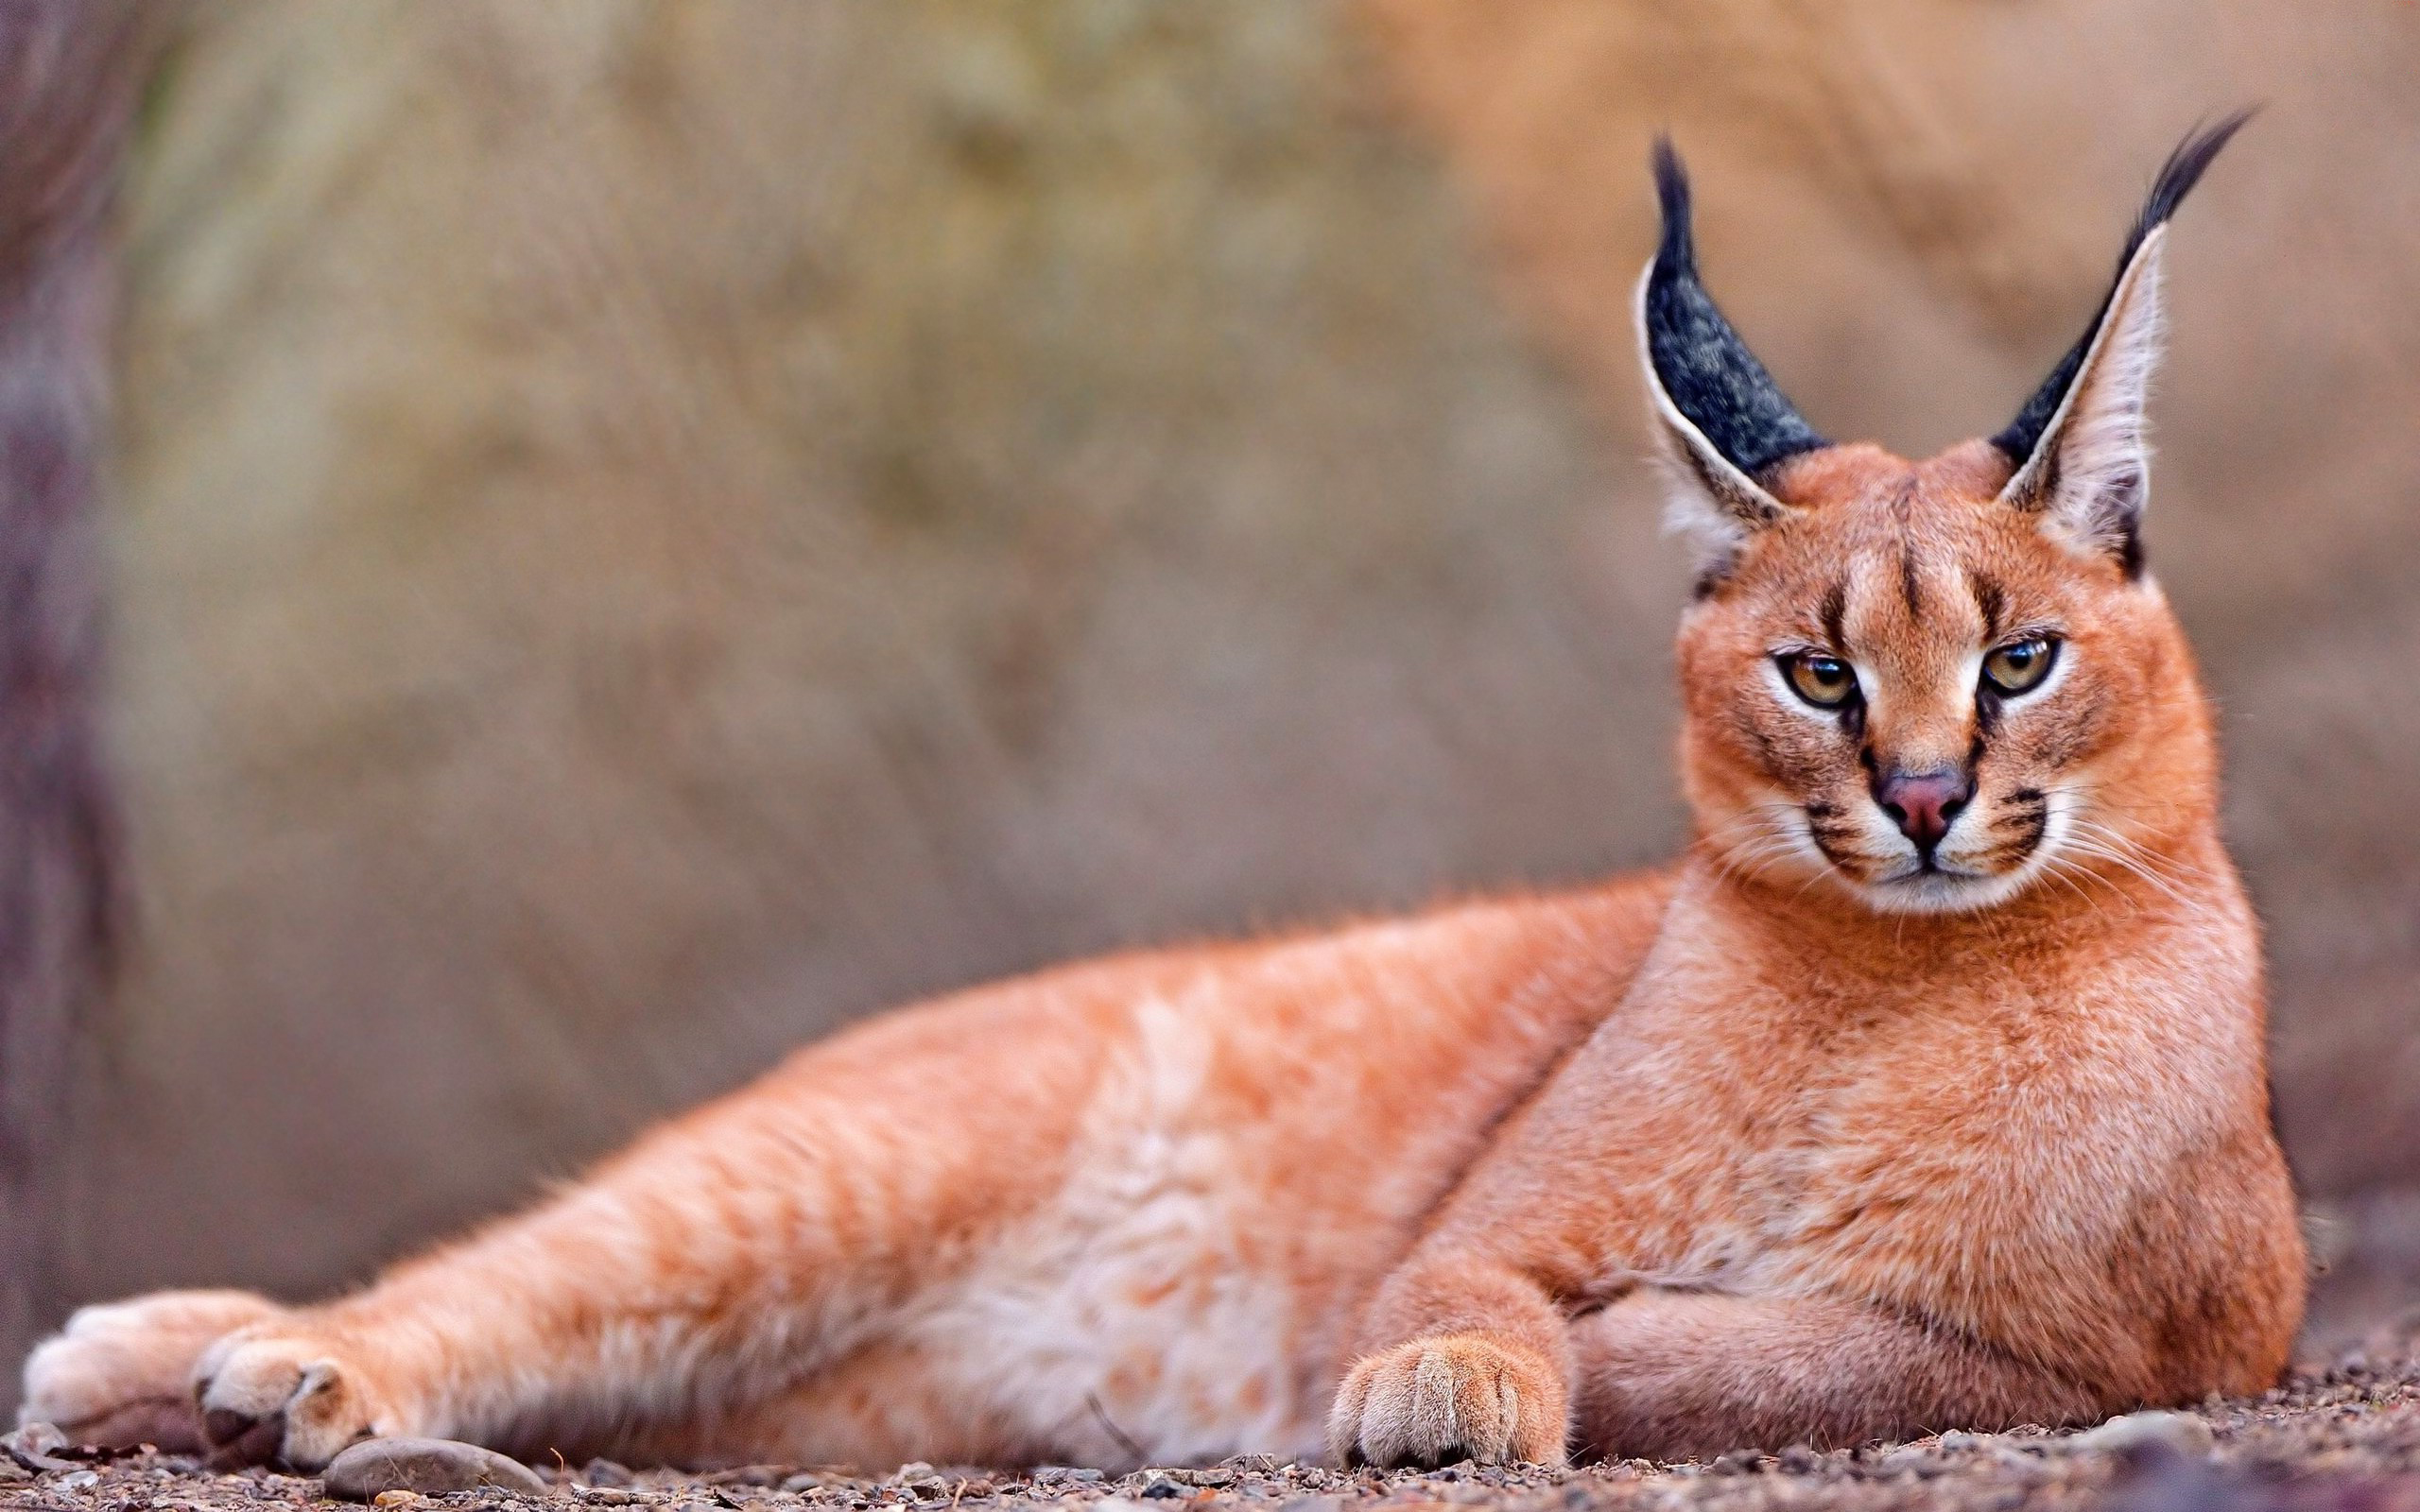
(279, 1391)
(121, 1374)
(1457, 1396)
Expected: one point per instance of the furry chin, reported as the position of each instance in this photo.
(1946, 892)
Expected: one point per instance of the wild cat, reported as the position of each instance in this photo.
(1927, 1089)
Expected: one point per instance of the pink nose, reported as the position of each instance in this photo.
(1923, 804)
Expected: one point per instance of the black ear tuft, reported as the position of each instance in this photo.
(1705, 371)
(2182, 171)
(2177, 177)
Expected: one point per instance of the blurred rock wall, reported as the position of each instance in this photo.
(648, 530)
(651, 529)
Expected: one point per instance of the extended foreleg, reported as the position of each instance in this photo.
(707, 1269)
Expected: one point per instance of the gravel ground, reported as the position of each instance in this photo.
(2343, 1434)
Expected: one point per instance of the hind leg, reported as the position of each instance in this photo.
(709, 1268)
(122, 1374)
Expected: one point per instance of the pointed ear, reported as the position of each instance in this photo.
(1724, 427)
(2081, 446)
(2089, 474)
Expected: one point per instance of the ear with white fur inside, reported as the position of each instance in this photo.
(1724, 424)
(2081, 446)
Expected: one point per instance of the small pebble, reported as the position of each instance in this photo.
(430, 1467)
(394, 1499)
(2148, 1432)
(76, 1481)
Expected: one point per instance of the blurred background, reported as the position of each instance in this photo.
(640, 530)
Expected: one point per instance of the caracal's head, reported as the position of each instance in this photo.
(1929, 686)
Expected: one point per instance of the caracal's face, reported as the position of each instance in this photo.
(1911, 690)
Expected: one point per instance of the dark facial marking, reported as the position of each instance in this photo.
(1828, 841)
(2028, 812)
(1834, 611)
(2030, 825)
(1830, 832)
(1987, 712)
(1910, 588)
(1991, 601)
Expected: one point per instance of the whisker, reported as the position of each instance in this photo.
(2069, 873)
(2173, 867)
(2094, 847)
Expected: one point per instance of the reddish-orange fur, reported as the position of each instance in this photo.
(1772, 1145)
(1980, 1168)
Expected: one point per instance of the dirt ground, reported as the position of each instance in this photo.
(2343, 1433)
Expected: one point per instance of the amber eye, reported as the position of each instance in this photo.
(2020, 665)
(1824, 681)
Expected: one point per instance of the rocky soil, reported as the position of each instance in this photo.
(2343, 1433)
